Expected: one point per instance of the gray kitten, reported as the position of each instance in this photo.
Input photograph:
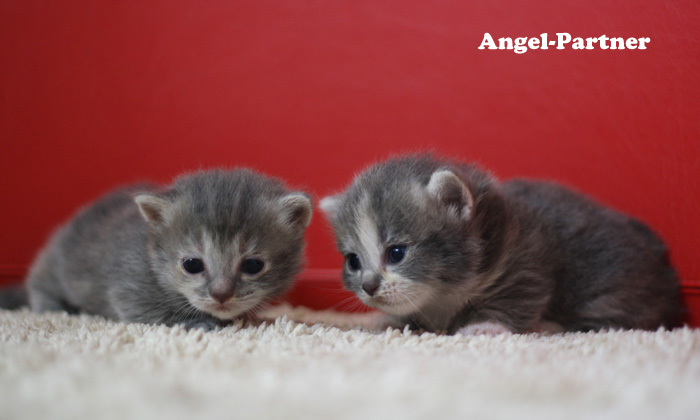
(209, 248)
(442, 246)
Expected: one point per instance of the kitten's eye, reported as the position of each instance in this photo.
(193, 265)
(396, 253)
(353, 262)
(252, 266)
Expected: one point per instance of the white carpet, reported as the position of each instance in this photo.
(80, 367)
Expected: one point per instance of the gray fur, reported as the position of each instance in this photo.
(13, 297)
(522, 254)
(123, 260)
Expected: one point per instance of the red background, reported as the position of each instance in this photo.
(98, 94)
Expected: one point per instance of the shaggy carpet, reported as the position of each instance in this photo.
(303, 364)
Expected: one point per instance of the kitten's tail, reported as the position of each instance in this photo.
(14, 297)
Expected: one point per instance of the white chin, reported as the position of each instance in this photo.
(230, 313)
(223, 312)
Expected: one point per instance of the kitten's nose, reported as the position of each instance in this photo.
(221, 294)
(371, 286)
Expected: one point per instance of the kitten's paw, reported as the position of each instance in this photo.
(549, 327)
(201, 324)
(484, 328)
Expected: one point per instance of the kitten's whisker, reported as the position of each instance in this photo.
(260, 307)
(185, 312)
(348, 305)
(408, 295)
(350, 300)
(178, 315)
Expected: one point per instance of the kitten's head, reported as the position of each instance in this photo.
(404, 229)
(226, 240)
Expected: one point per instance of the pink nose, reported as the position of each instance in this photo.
(221, 295)
(371, 286)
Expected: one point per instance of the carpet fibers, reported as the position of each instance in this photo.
(303, 364)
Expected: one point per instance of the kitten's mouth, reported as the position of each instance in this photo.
(387, 297)
(227, 310)
(376, 301)
(380, 302)
(391, 304)
(392, 308)
(223, 307)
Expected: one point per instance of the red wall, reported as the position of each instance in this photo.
(99, 93)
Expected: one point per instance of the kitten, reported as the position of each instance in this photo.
(442, 246)
(209, 248)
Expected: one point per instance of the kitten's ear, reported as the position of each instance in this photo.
(296, 209)
(447, 188)
(153, 208)
(330, 205)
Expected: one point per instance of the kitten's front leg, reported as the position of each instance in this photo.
(517, 308)
(204, 324)
(549, 327)
(491, 328)
(379, 321)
